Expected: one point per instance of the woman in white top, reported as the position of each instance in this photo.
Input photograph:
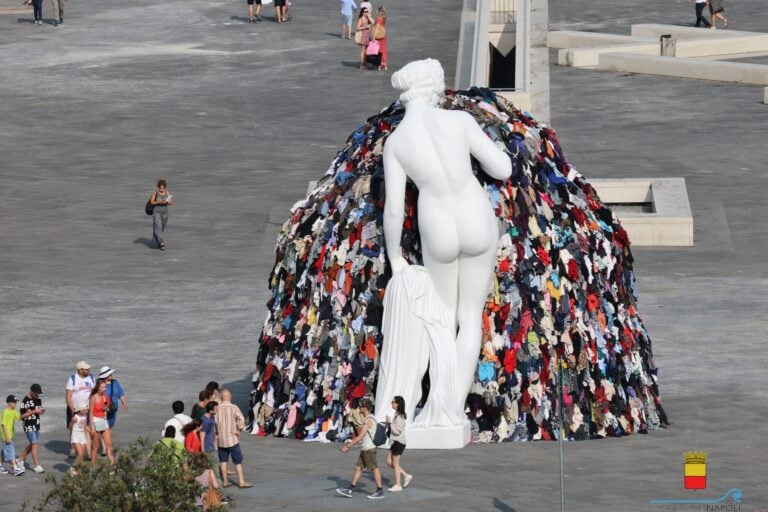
(397, 436)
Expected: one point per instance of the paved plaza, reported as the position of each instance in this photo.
(238, 118)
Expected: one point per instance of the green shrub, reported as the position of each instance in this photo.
(145, 477)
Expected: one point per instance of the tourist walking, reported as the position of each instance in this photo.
(229, 423)
(115, 392)
(8, 419)
(178, 421)
(78, 438)
(250, 10)
(160, 200)
(380, 35)
(78, 392)
(367, 457)
(58, 12)
(699, 6)
(97, 421)
(717, 11)
(396, 426)
(31, 409)
(347, 12)
(363, 33)
(37, 10)
(280, 11)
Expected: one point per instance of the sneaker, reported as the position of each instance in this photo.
(395, 488)
(55, 23)
(347, 493)
(226, 500)
(3, 471)
(407, 480)
(38, 469)
(18, 471)
(61, 21)
(379, 494)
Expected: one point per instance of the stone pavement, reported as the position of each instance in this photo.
(238, 118)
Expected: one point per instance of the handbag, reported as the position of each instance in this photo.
(149, 208)
(211, 499)
(359, 37)
(372, 48)
(379, 32)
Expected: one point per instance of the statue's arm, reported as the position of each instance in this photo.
(495, 162)
(394, 209)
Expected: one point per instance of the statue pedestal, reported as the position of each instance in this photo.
(438, 438)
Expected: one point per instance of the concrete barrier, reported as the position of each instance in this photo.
(722, 46)
(720, 71)
(576, 39)
(765, 96)
(671, 221)
(585, 57)
(521, 100)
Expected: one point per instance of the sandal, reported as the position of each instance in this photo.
(226, 484)
(245, 485)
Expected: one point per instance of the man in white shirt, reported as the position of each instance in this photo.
(700, 4)
(178, 421)
(78, 392)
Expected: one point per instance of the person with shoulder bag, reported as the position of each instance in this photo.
(367, 458)
(157, 207)
(397, 437)
(363, 33)
(380, 36)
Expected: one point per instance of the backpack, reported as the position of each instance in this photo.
(379, 437)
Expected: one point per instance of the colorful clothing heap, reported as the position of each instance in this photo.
(563, 296)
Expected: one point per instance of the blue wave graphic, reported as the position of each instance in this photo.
(734, 493)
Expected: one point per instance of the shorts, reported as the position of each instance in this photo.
(279, 3)
(9, 452)
(346, 19)
(397, 448)
(33, 437)
(78, 437)
(367, 460)
(234, 451)
(251, 2)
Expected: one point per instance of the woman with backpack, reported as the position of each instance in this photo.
(396, 428)
(160, 200)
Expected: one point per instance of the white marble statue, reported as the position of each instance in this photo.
(434, 316)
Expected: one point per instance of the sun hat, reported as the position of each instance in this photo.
(82, 365)
(105, 372)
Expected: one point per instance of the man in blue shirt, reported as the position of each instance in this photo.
(347, 11)
(115, 393)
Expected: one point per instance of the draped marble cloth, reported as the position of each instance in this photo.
(563, 291)
(417, 330)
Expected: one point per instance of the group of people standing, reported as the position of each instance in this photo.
(370, 33)
(281, 11)
(716, 10)
(37, 11)
(213, 429)
(92, 405)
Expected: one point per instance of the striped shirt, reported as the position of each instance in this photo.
(229, 423)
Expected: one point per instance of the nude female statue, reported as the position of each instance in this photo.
(457, 225)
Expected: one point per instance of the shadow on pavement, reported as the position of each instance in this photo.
(146, 241)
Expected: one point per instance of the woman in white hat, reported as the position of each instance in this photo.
(115, 393)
